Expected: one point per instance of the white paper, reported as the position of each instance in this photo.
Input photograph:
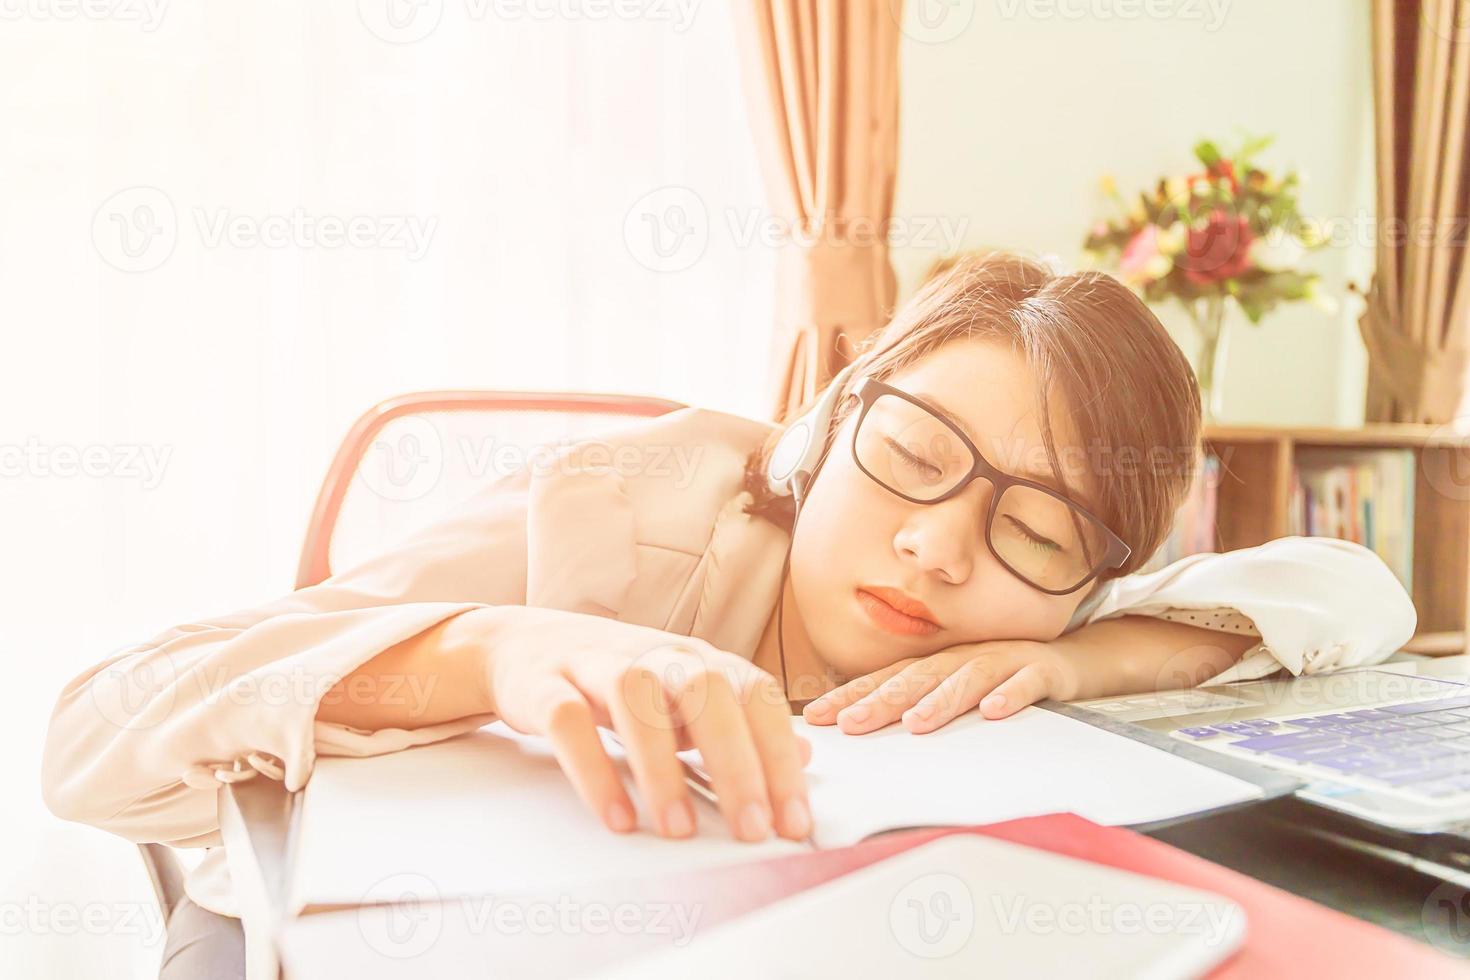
(977, 770)
(491, 812)
(486, 812)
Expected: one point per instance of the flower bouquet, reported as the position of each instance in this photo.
(1229, 232)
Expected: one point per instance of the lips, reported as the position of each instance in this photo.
(896, 611)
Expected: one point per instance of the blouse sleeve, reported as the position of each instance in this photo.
(140, 743)
(1317, 603)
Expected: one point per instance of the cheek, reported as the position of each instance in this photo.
(846, 530)
(1008, 609)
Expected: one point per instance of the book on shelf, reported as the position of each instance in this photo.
(1194, 522)
(1360, 495)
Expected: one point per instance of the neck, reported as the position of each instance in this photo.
(807, 676)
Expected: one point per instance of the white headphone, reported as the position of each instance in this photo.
(795, 459)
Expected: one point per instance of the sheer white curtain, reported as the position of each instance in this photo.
(228, 228)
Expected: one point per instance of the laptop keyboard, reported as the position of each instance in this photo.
(1422, 748)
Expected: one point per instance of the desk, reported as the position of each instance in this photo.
(1265, 841)
(1271, 841)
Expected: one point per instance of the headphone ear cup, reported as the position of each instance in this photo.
(800, 447)
(788, 456)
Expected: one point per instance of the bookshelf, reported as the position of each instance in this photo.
(1253, 505)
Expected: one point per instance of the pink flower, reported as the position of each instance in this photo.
(1139, 254)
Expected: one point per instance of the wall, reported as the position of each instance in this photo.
(1013, 108)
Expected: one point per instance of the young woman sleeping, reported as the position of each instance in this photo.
(997, 463)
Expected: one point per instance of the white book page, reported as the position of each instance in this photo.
(977, 770)
(489, 812)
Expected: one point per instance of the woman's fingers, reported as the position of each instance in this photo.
(1028, 685)
(805, 749)
(974, 682)
(781, 753)
(642, 717)
(888, 702)
(716, 722)
(565, 717)
(823, 711)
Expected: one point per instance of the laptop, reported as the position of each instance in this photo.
(1384, 749)
(965, 906)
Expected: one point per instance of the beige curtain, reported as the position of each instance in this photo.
(821, 84)
(1417, 324)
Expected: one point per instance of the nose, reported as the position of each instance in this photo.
(946, 538)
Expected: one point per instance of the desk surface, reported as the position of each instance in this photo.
(1265, 841)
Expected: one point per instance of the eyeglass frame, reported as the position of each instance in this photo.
(869, 389)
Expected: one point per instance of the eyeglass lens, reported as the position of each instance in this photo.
(1040, 537)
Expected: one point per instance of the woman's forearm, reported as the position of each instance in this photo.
(1130, 654)
(436, 676)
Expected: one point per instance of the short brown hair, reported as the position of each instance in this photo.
(1131, 391)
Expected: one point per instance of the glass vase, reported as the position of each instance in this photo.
(1209, 321)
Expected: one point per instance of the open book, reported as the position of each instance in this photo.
(491, 812)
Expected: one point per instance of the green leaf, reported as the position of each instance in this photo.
(1208, 153)
(1255, 145)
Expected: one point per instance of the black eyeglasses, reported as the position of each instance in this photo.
(911, 449)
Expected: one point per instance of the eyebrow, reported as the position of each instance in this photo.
(1039, 476)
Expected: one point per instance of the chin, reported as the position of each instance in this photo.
(865, 648)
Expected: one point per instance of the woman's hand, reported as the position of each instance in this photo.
(1001, 676)
(662, 693)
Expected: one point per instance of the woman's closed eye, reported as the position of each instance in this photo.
(909, 459)
(1035, 540)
